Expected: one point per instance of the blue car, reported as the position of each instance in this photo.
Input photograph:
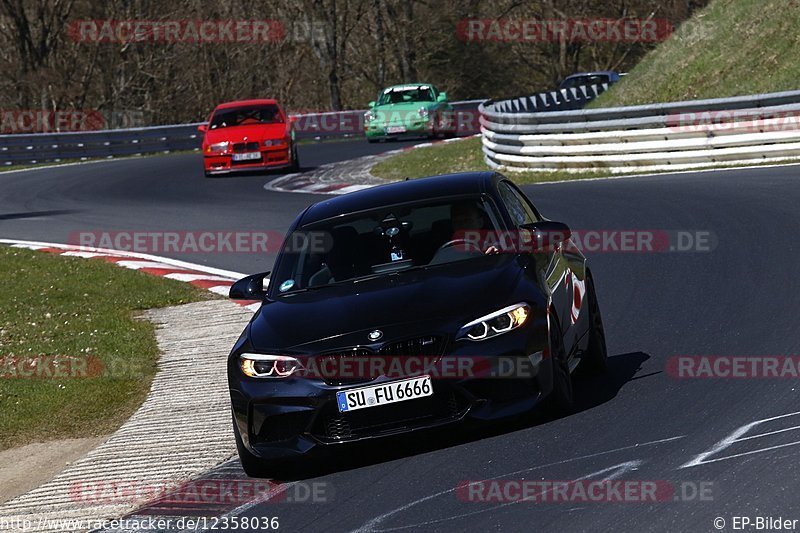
(581, 79)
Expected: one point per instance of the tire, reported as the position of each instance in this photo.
(441, 129)
(448, 130)
(372, 141)
(253, 466)
(561, 400)
(595, 359)
(295, 160)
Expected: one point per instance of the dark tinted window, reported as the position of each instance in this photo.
(518, 207)
(400, 95)
(236, 116)
(384, 240)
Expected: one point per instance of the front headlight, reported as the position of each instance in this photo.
(256, 365)
(217, 148)
(423, 112)
(496, 323)
(275, 142)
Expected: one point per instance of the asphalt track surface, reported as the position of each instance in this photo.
(741, 298)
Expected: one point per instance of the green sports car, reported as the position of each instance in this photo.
(409, 110)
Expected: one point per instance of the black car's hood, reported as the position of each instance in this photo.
(454, 293)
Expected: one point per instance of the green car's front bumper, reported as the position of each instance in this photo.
(380, 129)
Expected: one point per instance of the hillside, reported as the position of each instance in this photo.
(729, 48)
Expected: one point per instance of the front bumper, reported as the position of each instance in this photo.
(270, 159)
(293, 416)
(415, 128)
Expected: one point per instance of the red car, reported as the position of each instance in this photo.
(248, 135)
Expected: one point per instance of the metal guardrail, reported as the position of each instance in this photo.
(49, 147)
(519, 135)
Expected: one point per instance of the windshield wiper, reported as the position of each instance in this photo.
(368, 277)
(394, 272)
(307, 289)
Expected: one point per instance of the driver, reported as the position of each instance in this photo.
(468, 217)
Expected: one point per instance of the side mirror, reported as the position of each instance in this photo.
(371, 104)
(442, 97)
(547, 235)
(250, 288)
(202, 128)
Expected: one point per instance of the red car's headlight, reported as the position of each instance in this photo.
(218, 148)
(275, 142)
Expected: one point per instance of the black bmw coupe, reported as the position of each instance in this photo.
(408, 306)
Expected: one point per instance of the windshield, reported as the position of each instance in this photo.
(239, 116)
(383, 241)
(402, 95)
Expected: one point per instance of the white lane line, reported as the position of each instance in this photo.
(316, 186)
(28, 246)
(353, 188)
(138, 265)
(735, 437)
(371, 526)
(86, 255)
(19, 243)
(770, 433)
(751, 452)
(61, 165)
(195, 277)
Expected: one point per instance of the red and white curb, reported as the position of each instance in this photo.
(344, 177)
(211, 279)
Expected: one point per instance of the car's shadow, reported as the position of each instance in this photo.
(37, 214)
(272, 173)
(590, 391)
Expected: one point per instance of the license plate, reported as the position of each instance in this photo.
(247, 156)
(386, 393)
(396, 129)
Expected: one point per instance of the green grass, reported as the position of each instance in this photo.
(729, 48)
(438, 159)
(72, 307)
(460, 156)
